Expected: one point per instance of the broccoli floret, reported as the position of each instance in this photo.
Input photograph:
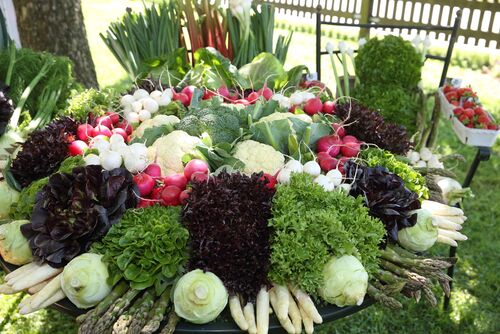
(191, 125)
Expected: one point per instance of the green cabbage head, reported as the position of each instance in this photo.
(345, 281)
(14, 247)
(422, 235)
(7, 198)
(199, 297)
(84, 280)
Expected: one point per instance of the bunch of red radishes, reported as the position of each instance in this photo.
(334, 150)
(105, 127)
(171, 190)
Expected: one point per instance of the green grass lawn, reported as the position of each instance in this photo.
(475, 301)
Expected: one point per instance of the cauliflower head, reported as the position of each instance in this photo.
(259, 157)
(169, 150)
(158, 120)
(285, 115)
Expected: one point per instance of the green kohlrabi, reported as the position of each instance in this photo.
(84, 280)
(422, 235)
(345, 281)
(14, 247)
(199, 297)
(8, 197)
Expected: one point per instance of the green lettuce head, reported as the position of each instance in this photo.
(199, 297)
(422, 235)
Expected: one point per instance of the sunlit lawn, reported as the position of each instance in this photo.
(475, 301)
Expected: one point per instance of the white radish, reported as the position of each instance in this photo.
(294, 166)
(312, 168)
(133, 117)
(445, 240)
(441, 209)
(126, 100)
(22, 271)
(425, 154)
(421, 163)
(237, 312)
(294, 313)
(110, 160)
(296, 98)
(140, 94)
(434, 162)
(262, 311)
(100, 144)
(346, 187)
(325, 182)
(282, 297)
(48, 291)
(249, 313)
(155, 95)
(284, 176)
(144, 115)
(115, 139)
(43, 273)
(138, 149)
(35, 288)
(285, 321)
(335, 177)
(457, 236)
(135, 164)
(164, 101)
(445, 224)
(308, 322)
(413, 156)
(150, 105)
(168, 93)
(136, 106)
(306, 303)
(92, 159)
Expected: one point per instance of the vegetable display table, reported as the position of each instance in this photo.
(224, 323)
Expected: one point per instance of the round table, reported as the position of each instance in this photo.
(224, 323)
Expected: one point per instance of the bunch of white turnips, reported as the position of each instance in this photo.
(329, 181)
(114, 152)
(424, 158)
(141, 105)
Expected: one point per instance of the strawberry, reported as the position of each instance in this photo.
(464, 119)
(458, 111)
(470, 125)
(484, 119)
(455, 103)
(469, 112)
(469, 104)
(451, 96)
(492, 127)
(448, 88)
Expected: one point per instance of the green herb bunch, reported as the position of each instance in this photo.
(311, 225)
(413, 180)
(148, 247)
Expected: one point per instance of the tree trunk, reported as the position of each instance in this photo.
(57, 26)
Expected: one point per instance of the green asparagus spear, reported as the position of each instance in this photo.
(117, 309)
(141, 316)
(89, 319)
(402, 272)
(382, 298)
(157, 313)
(173, 319)
(122, 324)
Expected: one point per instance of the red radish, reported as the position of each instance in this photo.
(292, 109)
(326, 162)
(242, 101)
(145, 184)
(115, 118)
(144, 203)
(104, 120)
(339, 129)
(208, 94)
(178, 180)
(252, 97)
(77, 147)
(271, 180)
(170, 195)
(266, 92)
(125, 126)
(184, 196)
(224, 92)
(199, 177)
(156, 193)
(84, 131)
(313, 106)
(121, 132)
(153, 170)
(195, 165)
(350, 149)
(183, 98)
(329, 144)
(328, 107)
(349, 138)
(188, 90)
(101, 130)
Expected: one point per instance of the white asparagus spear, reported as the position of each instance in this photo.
(6, 289)
(249, 313)
(262, 311)
(21, 271)
(308, 322)
(441, 209)
(285, 322)
(57, 296)
(306, 303)
(446, 224)
(455, 219)
(48, 291)
(43, 273)
(35, 288)
(237, 312)
(452, 235)
(445, 240)
(282, 300)
(294, 312)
